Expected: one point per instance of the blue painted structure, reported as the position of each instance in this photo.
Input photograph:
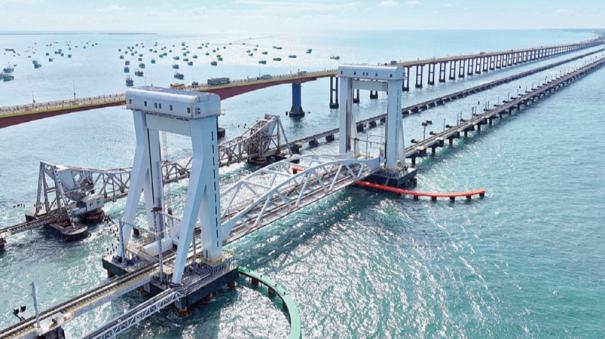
(296, 111)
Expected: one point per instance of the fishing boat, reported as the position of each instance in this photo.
(6, 77)
(292, 56)
(153, 61)
(141, 65)
(213, 63)
(126, 69)
(175, 66)
(309, 51)
(262, 62)
(265, 52)
(121, 57)
(127, 62)
(138, 73)
(335, 57)
(36, 64)
(277, 59)
(8, 69)
(190, 63)
(179, 76)
(129, 82)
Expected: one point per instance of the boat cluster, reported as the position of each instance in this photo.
(185, 54)
(51, 50)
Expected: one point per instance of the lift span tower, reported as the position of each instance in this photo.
(193, 115)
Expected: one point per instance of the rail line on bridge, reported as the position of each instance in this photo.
(115, 181)
(140, 276)
(460, 65)
(313, 140)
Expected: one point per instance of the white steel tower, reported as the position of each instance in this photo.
(373, 78)
(189, 114)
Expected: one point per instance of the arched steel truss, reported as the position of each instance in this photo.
(286, 186)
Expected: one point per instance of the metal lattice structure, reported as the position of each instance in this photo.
(61, 186)
(133, 317)
(264, 139)
(284, 187)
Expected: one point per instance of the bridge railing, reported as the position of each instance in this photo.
(273, 78)
(62, 104)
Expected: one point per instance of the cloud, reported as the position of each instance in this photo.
(387, 3)
(565, 11)
(19, 2)
(112, 8)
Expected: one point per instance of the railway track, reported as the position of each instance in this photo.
(412, 109)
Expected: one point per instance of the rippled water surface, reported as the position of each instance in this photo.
(527, 260)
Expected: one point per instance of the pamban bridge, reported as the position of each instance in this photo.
(178, 260)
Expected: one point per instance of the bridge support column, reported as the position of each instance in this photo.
(406, 79)
(470, 67)
(373, 95)
(419, 69)
(484, 61)
(431, 80)
(492, 63)
(478, 66)
(442, 66)
(333, 92)
(296, 111)
(461, 69)
(498, 61)
(453, 70)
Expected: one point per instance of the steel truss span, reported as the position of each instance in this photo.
(284, 187)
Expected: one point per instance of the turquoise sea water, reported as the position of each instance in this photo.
(525, 261)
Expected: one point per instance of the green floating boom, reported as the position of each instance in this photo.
(289, 304)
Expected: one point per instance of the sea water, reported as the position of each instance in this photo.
(527, 260)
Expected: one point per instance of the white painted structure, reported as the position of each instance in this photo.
(375, 78)
(185, 113)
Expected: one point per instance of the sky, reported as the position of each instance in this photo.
(270, 16)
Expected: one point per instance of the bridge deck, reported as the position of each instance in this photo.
(12, 115)
(421, 106)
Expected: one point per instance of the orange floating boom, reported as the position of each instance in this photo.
(452, 196)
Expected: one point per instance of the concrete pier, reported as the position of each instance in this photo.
(296, 111)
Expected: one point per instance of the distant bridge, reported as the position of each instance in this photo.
(451, 67)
